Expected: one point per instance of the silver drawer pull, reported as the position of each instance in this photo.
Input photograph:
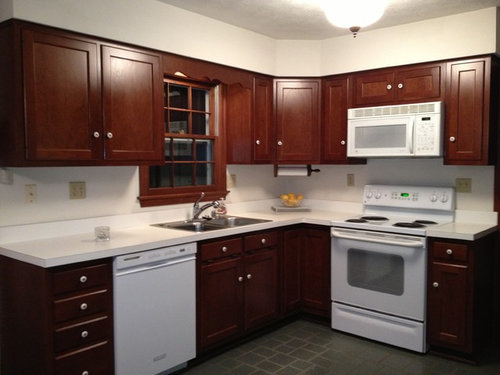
(83, 279)
(400, 85)
(257, 142)
(84, 306)
(84, 334)
(109, 135)
(224, 249)
(452, 139)
(85, 372)
(389, 87)
(240, 279)
(96, 135)
(449, 251)
(435, 284)
(263, 241)
(249, 276)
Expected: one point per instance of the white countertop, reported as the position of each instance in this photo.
(60, 250)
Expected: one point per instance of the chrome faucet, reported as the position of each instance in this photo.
(197, 210)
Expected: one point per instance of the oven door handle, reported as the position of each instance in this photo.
(385, 241)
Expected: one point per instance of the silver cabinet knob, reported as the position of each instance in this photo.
(257, 142)
(389, 87)
(435, 284)
(83, 279)
(400, 85)
(224, 249)
(249, 276)
(449, 251)
(342, 143)
(280, 143)
(84, 306)
(240, 279)
(109, 135)
(263, 241)
(85, 372)
(452, 139)
(84, 334)
(96, 135)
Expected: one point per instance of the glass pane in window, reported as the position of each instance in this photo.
(178, 122)
(168, 147)
(201, 100)
(160, 176)
(183, 149)
(201, 123)
(204, 174)
(165, 97)
(178, 96)
(183, 174)
(204, 150)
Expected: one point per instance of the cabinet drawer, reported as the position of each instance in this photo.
(261, 240)
(80, 278)
(81, 306)
(450, 251)
(82, 334)
(94, 360)
(221, 248)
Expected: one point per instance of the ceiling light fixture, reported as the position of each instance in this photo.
(353, 14)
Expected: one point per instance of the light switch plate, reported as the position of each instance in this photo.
(463, 185)
(77, 190)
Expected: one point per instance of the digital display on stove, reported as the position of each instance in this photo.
(405, 195)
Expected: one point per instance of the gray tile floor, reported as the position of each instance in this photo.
(303, 347)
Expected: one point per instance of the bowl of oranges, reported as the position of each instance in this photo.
(291, 200)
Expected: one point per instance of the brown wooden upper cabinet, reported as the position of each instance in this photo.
(297, 110)
(263, 134)
(471, 113)
(413, 83)
(78, 101)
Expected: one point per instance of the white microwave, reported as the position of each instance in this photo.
(410, 130)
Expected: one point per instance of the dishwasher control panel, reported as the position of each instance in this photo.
(154, 256)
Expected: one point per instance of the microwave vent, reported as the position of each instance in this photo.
(395, 110)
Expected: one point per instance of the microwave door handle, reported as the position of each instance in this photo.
(411, 134)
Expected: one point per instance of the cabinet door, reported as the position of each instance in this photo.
(263, 136)
(373, 88)
(238, 124)
(417, 84)
(261, 287)
(132, 100)
(448, 318)
(467, 112)
(292, 245)
(220, 300)
(61, 89)
(298, 120)
(335, 120)
(315, 272)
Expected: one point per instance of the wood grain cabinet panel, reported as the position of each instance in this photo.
(471, 113)
(297, 110)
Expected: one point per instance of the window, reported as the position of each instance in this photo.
(193, 152)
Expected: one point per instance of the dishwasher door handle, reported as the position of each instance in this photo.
(152, 265)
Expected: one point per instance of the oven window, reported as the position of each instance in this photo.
(375, 271)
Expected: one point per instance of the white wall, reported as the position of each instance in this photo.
(113, 190)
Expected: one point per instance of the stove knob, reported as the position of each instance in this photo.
(444, 198)
(433, 198)
(378, 195)
(369, 194)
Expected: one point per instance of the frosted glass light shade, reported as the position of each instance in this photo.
(349, 13)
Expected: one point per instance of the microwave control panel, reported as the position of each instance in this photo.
(428, 135)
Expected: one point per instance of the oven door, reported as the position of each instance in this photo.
(380, 272)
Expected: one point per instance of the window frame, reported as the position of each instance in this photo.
(152, 196)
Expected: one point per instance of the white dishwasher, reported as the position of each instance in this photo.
(154, 310)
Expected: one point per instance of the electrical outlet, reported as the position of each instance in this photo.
(231, 181)
(463, 185)
(77, 190)
(350, 179)
(30, 193)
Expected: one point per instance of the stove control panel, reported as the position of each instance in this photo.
(419, 197)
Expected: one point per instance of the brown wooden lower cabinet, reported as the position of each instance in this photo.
(459, 295)
(238, 286)
(56, 320)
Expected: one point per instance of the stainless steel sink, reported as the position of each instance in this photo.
(210, 224)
